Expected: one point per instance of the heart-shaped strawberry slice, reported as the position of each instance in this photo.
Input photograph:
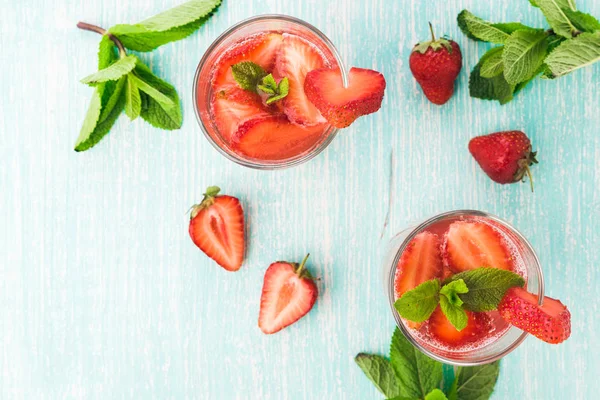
(342, 105)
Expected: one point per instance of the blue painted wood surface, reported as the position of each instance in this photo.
(102, 294)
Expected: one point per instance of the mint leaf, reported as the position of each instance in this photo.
(574, 53)
(91, 134)
(417, 374)
(523, 54)
(455, 314)
(554, 11)
(479, 29)
(113, 72)
(380, 372)
(133, 102)
(453, 289)
(107, 55)
(475, 383)
(281, 90)
(248, 75)
(486, 286)
(418, 304)
(493, 65)
(496, 88)
(174, 24)
(160, 115)
(269, 85)
(436, 394)
(582, 21)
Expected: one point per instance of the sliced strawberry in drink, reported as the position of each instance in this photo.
(339, 105)
(217, 228)
(274, 138)
(233, 105)
(550, 322)
(261, 49)
(420, 262)
(440, 328)
(470, 245)
(296, 57)
(288, 294)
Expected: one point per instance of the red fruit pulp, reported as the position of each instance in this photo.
(241, 119)
(482, 328)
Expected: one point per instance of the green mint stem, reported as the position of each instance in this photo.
(102, 31)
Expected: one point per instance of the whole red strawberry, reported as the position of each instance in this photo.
(288, 294)
(504, 156)
(550, 322)
(435, 64)
(217, 228)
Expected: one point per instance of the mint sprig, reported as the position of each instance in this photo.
(525, 53)
(409, 374)
(124, 83)
(252, 77)
(476, 290)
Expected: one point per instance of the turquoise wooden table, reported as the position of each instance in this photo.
(103, 295)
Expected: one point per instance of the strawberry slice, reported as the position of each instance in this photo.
(550, 322)
(296, 57)
(233, 105)
(420, 262)
(288, 294)
(340, 105)
(274, 138)
(478, 326)
(217, 228)
(261, 49)
(470, 245)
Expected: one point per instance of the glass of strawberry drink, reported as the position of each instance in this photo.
(445, 248)
(271, 92)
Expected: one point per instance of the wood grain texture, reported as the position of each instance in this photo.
(103, 295)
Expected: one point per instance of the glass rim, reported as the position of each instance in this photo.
(392, 275)
(331, 131)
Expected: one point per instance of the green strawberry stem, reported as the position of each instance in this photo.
(207, 201)
(301, 266)
(102, 31)
(530, 175)
(432, 34)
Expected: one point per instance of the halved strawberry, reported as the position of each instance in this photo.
(296, 57)
(233, 105)
(340, 105)
(288, 294)
(274, 138)
(472, 244)
(550, 322)
(261, 49)
(217, 228)
(420, 262)
(478, 325)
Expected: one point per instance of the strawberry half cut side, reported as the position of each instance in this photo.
(470, 245)
(439, 327)
(296, 57)
(217, 228)
(421, 261)
(550, 322)
(341, 106)
(274, 138)
(289, 292)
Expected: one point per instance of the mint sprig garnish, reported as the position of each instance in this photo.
(572, 42)
(476, 290)
(252, 77)
(124, 83)
(409, 374)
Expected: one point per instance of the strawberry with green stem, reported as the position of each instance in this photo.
(435, 64)
(504, 156)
